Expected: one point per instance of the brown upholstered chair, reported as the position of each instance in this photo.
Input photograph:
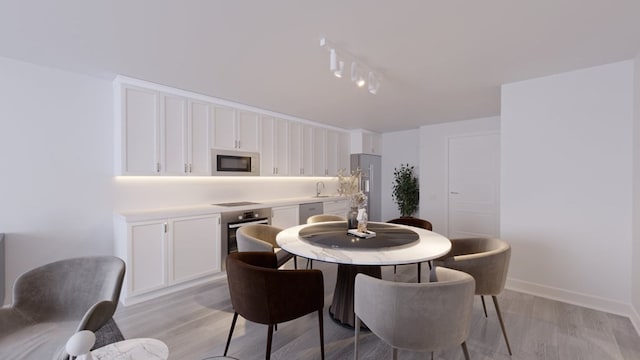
(261, 237)
(262, 294)
(416, 222)
(421, 317)
(487, 260)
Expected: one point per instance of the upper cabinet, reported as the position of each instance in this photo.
(235, 129)
(366, 142)
(165, 131)
(161, 134)
(274, 154)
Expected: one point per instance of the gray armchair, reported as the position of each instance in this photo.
(314, 219)
(52, 302)
(487, 260)
(416, 316)
(260, 237)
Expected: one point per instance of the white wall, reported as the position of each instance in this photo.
(635, 259)
(55, 173)
(434, 145)
(566, 185)
(401, 147)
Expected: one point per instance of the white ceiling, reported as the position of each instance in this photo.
(441, 60)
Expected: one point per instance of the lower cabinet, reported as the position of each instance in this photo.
(167, 254)
(285, 216)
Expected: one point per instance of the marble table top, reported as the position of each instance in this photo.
(430, 246)
(133, 349)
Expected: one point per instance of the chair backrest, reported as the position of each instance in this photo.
(324, 218)
(261, 293)
(411, 221)
(486, 259)
(257, 237)
(84, 288)
(417, 316)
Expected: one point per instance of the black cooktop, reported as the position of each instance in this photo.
(237, 203)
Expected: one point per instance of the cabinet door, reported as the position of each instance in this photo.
(282, 147)
(224, 127)
(295, 148)
(248, 130)
(372, 143)
(319, 152)
(332, 151)
(147, 257)
(194, 247)
(336, 207)
(344, 151)
(199, 152)
(140, 131)
(267, 147)
(307, 150)
(174, 135)
(285, 216)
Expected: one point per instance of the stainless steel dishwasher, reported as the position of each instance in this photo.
(310, 209)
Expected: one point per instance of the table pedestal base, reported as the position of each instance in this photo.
(341, 309)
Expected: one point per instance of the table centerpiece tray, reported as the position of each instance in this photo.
(334, 235)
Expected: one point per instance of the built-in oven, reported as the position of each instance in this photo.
(233, 220)
(234, 163)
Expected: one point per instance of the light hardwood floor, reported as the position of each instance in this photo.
(194, 324)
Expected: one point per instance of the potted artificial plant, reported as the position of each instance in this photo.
(406, 192)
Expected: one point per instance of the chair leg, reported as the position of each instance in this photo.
(484, 307)
(233, 325)
(395, 353)
(504, 332)
(355, 338)
(275, 327)
(321, 325)
(465, 350)
(394, 269)
(269, 337)
(419, 271)
(295, 262)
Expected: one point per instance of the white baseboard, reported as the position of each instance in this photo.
(575, 298)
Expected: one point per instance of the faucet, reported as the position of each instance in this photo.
(318, 188)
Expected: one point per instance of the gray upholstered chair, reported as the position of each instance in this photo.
(416, 316)
(417, 222)
(314, 219)
(324, 218)
(487, 260)
(52, 302)
(261, 237)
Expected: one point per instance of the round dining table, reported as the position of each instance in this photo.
(392, 244)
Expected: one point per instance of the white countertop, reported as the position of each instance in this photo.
(209, 208)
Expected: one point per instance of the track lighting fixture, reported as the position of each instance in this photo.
(337, 59)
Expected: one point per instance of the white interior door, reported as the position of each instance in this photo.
(474, 186)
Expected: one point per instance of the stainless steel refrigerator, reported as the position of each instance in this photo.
(370, 165)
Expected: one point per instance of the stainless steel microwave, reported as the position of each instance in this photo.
(234, 163)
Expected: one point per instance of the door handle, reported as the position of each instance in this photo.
(454, 193)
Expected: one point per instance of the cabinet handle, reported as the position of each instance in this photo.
(165, 228)
(189, 168)
(157, 167)
(186, 169)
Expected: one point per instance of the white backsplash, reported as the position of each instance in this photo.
(139, 193)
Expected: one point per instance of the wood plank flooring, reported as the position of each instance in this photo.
(194, 324)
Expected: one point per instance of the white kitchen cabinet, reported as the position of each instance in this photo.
(173, 130)
(319, 151)
(274, 154)
(307, 150)
(194, 247)
(166, 255)
(138, 131)
(366, 142)
(146, 257)
(300, 149)
(285, 216)
(198, 144)
(233, 129)
(336, 207)
(344, 153)
(337, 152)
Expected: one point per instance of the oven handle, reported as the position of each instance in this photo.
(238, 225)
